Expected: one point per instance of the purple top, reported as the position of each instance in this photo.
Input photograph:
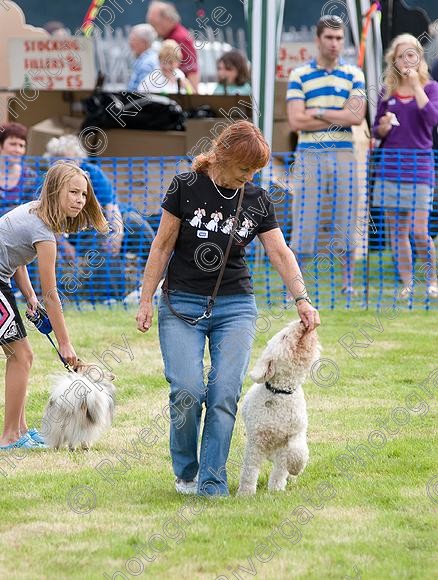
(406, 152)
(26, 190)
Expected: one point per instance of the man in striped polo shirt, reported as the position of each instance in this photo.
(324, 99)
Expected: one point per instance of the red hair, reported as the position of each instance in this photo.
(239, 143)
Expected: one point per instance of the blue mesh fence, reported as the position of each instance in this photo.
(362, 230)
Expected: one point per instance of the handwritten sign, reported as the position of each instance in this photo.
(51, 64)
(293, 54)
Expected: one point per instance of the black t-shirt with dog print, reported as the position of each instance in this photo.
(206, 222)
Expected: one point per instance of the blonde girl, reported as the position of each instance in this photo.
(407, 112)
(67, 204)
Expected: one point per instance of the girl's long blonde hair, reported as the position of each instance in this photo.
(391, 76)
(48, 207)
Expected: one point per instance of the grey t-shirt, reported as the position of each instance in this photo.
(19, 232)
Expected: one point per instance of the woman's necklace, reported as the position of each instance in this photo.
(221, 194)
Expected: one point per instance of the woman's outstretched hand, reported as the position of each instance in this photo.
(308, 315)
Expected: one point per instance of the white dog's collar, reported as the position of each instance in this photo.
(278, 391)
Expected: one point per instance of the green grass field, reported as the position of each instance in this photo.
(367, 513)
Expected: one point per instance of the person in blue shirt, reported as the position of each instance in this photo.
(69, 147)
(130, 233)
(90, 264)
(140, 41)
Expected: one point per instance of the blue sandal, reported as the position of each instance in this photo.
(25, 442)
(37, 437)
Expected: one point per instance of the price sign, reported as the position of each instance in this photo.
(51, 64)
(293, 54)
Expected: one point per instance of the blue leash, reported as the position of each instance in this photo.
(42, 323)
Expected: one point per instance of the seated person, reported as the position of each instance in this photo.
(167, 22)
(233, 74)
(168, 79)
(128, 232)
(18, 183)
(69, 147)
(140, 41)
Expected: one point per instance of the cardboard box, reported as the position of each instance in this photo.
(30, 108)
(133, 143)
(41, 133)
(280, 106)
(142, 183)
(283, 139)
(200, 133)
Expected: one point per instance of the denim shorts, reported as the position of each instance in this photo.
(405, 196)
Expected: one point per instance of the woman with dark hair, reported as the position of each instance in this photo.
(233, 74)
(203, 212)
(18, 183)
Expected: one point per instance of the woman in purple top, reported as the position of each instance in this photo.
(18, 183)
(407, 112)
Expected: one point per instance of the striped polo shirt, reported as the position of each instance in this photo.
(321, 89)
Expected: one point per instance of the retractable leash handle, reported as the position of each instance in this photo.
(40, 319)
(42, 323)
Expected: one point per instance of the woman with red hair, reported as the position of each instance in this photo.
(200, 217)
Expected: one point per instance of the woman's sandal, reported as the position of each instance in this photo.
(406, 293)
(432, 291)
(24, 442)
(349, 291)
(37, 437)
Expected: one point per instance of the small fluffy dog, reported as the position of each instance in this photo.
(79, 409)
(274, 409)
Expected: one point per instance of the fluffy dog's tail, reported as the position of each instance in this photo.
(98, 407)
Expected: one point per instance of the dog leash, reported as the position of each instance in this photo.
(41, 320)
(59, 354)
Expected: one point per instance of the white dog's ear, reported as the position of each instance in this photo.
(263, 371)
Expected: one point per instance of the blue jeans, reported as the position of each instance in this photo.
(230, 332)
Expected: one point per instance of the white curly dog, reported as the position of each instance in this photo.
(274, 409)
